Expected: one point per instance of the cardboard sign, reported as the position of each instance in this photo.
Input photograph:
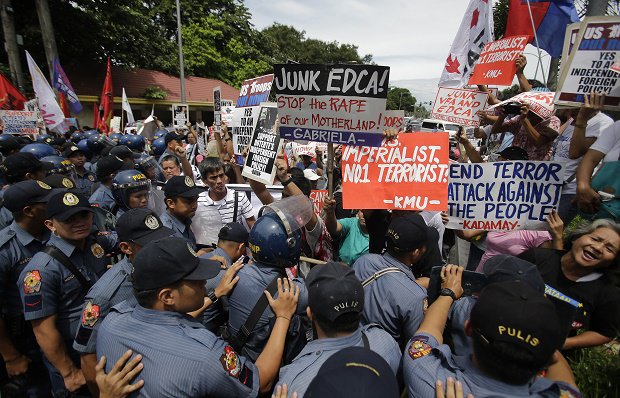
(217, 109)
(19, 122)
(410, 173)
(317, 196)
(588, 68)
(228, 114)
(503, 195)
(342, 104)
(540, 102)
(459, 106)
(394, 120)
(180, 115)
(252, 93)
(496, 64)
(115, 124)
(264, 147)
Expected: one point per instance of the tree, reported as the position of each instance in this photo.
(400, 98)
(500, 17)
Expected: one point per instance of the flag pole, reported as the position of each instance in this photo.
(537, 46)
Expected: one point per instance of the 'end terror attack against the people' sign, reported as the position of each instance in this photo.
(342, 104)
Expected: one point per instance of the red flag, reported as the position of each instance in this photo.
(519, 22)
(63, 104)
(95, 116)
(107, 101)
(10, 96)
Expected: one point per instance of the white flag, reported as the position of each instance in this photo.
(50, 110)
(127, 107)
(475, 31)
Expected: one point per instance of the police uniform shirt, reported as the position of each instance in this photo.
(181, 358)
(213, 317)
(298, 375)
(48, 288)
(425, 361)
(84, 183)
(17, 247)
(394, 301)
(180, 228)
(103, 198)
(6, 217)
(113, 288)
(253, 280)
(459, 313)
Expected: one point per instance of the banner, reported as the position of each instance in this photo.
(475, 31)
(316, 197)
(19, 122)
(115, 124)
(180, 115)
(459, 106)
(10, 96)
(50, 110)
(540, 102)
(63, 85)
(410, 173)
(264, 147)
(252, 93)
(503, 195)
(342, 104)
(126, 107)
(496, 64)
(588, 68)
(217, 109)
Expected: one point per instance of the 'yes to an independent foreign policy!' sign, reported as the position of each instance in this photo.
(342, 104)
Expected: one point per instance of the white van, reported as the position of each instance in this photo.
(435, 125)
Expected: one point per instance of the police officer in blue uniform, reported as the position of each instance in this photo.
(130, 189)
(515, 331)
(135, 229)
(394, 300)
(107, 167)
(273, 248)
(181, 357)
(172, 141)
(84, 179)
(19, 242)
(336, 302)
(54, 283)
(181, 195)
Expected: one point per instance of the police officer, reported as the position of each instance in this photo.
(394, 300)
(125, 154)
(274, 248)
(39, 150)
(130, 189)
(54, 283)
(180, 356)
(173, 142)
(515, 331)
(335, 305)
(107, 167)
(60, 181)
(19, 242)
(84, 179)
(135, 229)
(8, 145)
(181, 195)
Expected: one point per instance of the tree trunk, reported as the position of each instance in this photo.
(596, 7)
(10, 44)
(47, 31)
(552, 80)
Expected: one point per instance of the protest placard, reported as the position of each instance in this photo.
(180, 115)
(540, 102)
(496, 64)
(588, 68)
(19, 122)
(316, 197)
(115, 124)
(342, 104)
(503, 195)
(459, 106)
(394, 120)
(228, 112)
(217, 109)
(409, 173)
(264, 147)
(252, 93)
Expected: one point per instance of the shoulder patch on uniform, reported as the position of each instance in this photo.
(565, 393)
(32, 282)
(91, 177)
(90, 315)
(419, 347)
(33, 302)
(230, 362)
(97, 250)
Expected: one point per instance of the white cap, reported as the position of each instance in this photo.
(311, 175)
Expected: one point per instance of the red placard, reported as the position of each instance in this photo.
(317, 196)
(410, 173)
(496, 64)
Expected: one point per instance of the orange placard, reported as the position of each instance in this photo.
(317, 196)
(496, 64)
(410, 173)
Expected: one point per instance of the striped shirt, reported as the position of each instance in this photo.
(206, 225)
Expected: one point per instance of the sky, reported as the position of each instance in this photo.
(412, 37)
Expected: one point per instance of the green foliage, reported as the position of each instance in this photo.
(155, 92)
(500, 17)
(400, 98)
(597, 371)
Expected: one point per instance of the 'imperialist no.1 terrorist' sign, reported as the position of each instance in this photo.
(342, 104)
(252, 93)
(503, 195)
(409, 173)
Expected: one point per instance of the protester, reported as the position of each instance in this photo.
(351, 232)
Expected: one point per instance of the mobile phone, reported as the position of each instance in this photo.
(472, 283)
(240, 160)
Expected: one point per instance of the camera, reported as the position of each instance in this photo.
(512, 108)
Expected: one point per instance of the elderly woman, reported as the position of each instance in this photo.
(583, 273)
